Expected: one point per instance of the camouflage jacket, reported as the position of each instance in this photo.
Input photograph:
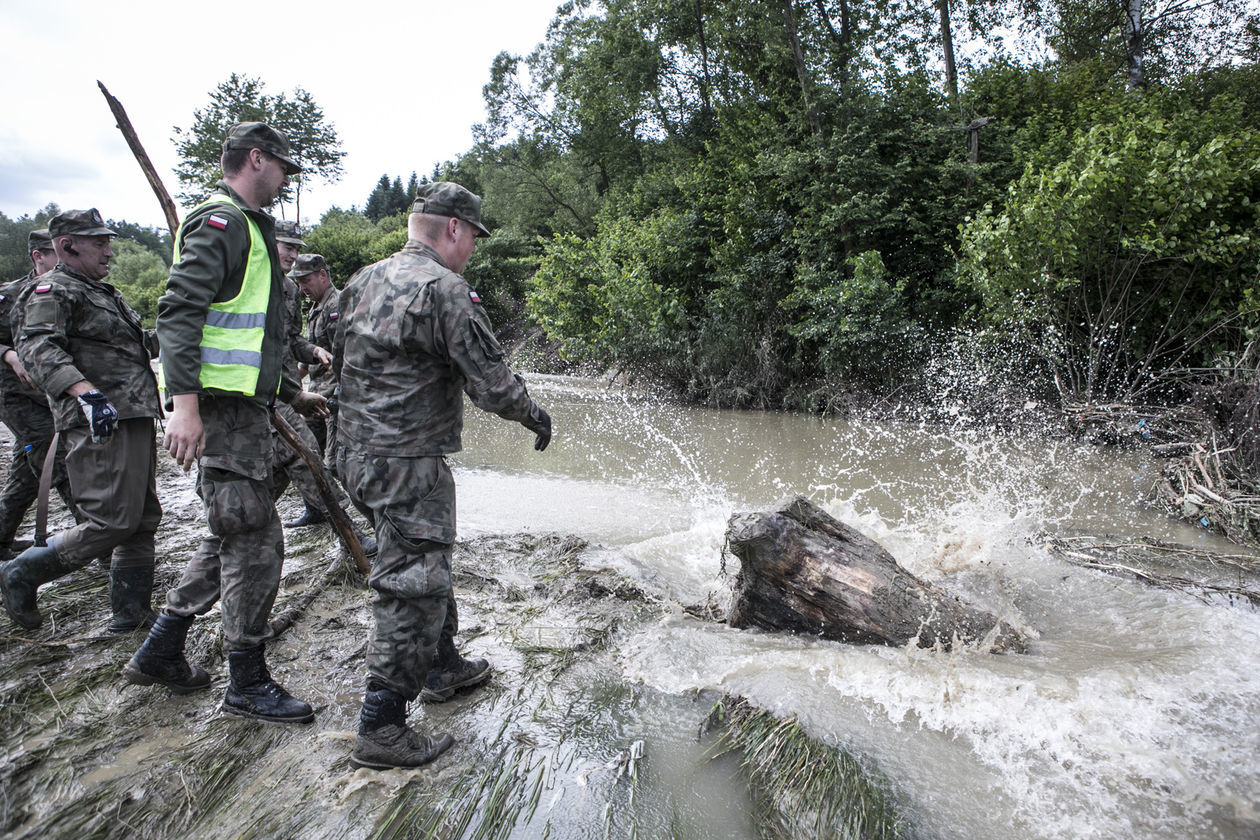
(319, 326)
(72, 329)
(297, 348)
(10, 386)
(211, 267)
(411, 335)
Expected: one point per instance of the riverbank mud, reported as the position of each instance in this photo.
(557, 744)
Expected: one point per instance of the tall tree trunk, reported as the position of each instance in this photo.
(1134, 41)
(706, 84)
(802, 73)
(947, 49)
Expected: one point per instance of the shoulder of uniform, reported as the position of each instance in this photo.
(51, 283)
(217, 215)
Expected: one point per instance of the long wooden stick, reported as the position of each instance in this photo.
(338, 516)
(142, 157)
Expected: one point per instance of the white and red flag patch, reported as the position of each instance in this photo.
(43, 287)
(473, 296)
(217, 221)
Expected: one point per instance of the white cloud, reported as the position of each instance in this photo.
(400, 81)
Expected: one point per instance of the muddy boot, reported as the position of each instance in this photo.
(310, 516)
(161, 658)
(451, 673)
(252, 692)
(367, 542)
(385, 740)
(131, 597)
(23, 575)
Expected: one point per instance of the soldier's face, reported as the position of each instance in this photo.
(44, 259)
(465, 243)
(91, 256)
(288, 255)
(314, 285)
(273, 178)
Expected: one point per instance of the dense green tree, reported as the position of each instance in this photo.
(313, 141)
(15, 261)
(140, 275)
(388, 198)
(1133, 257)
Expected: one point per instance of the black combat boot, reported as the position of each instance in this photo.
(367, 542)
(450, 673)
(23, 575)
(131, 598)
(310, 516)
(252, 693)
(161, 658)
(385, 740)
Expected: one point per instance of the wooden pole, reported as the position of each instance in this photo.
(338, 516)
(142, 157)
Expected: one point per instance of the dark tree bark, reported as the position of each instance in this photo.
(805, 572)
(798, 61)
(947, 53)
(1135, 44)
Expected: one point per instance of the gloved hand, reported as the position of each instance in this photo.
(100, 413)
(539, 423)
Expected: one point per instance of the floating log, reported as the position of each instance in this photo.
(803, 571)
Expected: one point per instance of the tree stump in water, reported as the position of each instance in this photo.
(803, 571)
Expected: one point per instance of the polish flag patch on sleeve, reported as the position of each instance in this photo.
(43, 287)
(473, 296)
(333, 316)
(217, 221)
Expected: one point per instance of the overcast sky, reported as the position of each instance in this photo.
(401, 82)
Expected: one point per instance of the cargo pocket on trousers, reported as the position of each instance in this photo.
(235, 504)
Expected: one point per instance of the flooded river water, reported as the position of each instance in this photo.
(1134, 714)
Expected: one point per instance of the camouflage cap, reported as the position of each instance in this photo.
(257, 135)
(308, 264)
(79, 223)
(287, 231)
(443, 198)
(39, 240)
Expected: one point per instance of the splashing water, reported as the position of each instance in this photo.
(1133, 714)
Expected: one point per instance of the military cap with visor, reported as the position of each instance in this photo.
(307, 264)
(39, 240)
(79, 223)
(287, 231)
(258, 135)
(443, 198)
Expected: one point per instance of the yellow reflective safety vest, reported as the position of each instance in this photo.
(232, 339)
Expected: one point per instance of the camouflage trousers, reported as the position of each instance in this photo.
(32, 426)
(413, 504)
(115, 490)
(288, 466)
(239, 563)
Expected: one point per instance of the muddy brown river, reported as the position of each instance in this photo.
(1132, 715)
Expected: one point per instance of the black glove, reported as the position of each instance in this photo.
(539, 423)
(100, 413)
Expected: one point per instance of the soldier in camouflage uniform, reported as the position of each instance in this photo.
(221, 323)
(412, 339)
(287, 465)
(86, 348)
(312, 277)
(24, 409)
